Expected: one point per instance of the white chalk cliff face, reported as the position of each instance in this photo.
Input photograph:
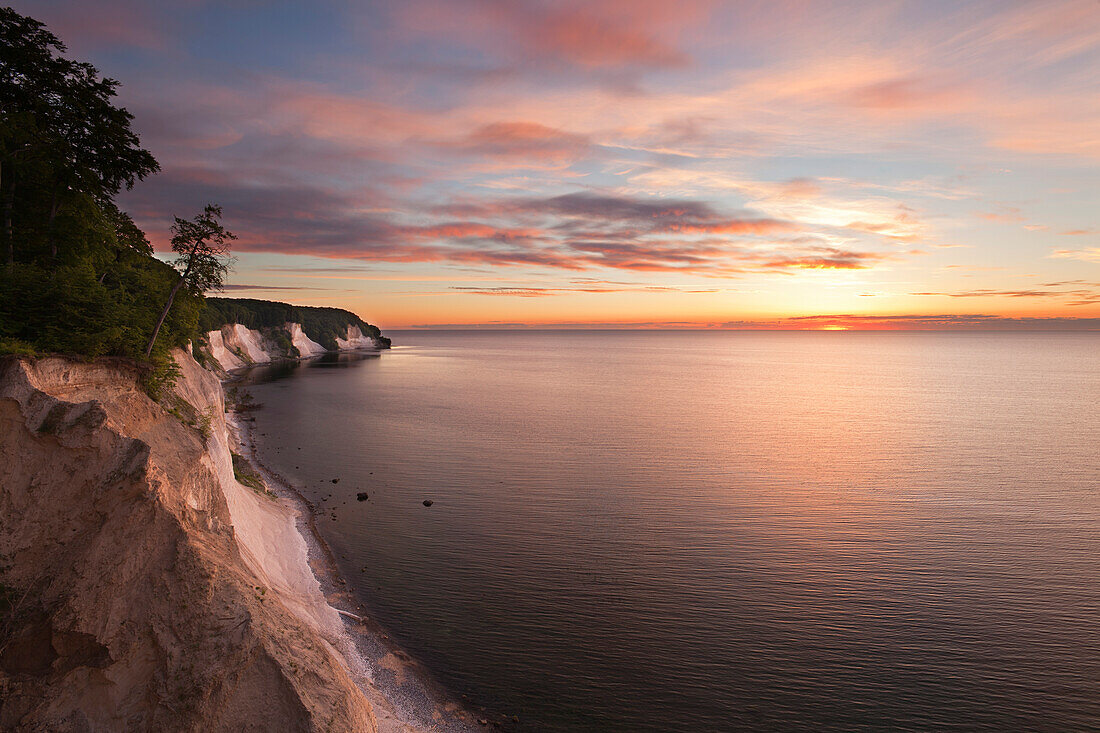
(234, 346)
(151, 590)
(356, 340)
(221, 352)
(305, 346)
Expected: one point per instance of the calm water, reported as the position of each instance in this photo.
(721, 531)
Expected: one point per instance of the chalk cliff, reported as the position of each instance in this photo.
(308, 347)
(356, 340)
(234, 346)
(143, 587)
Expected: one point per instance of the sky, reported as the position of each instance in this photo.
(626, 163)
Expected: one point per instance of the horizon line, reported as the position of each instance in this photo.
(957, 329)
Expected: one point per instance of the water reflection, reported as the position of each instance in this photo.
(275, 371)
(721, 531)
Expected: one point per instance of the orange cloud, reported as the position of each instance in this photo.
(940, 322)
(1008, 215)
(733, 226)
(1089, 254)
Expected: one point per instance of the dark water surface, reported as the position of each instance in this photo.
(674, 531)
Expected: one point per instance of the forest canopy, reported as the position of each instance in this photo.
(78, 276)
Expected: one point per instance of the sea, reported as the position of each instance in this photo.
(717, 530)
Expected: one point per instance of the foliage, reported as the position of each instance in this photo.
(73, 310)
(197, 351)
(160, 381)
(64, 145)
(322, 325)
(204, 423)
(238, 399)
(17, 347)
(246, 476)
(79, 277)
(203, 248)
(286, 346)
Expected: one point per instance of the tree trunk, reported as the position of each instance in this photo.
(172, 296)
(163, 315)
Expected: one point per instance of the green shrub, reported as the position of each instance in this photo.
(204, 423)
(17, 347)
(73, 308)
(160, 381)
(246, 475)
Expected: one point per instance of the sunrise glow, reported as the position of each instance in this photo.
(628, 164)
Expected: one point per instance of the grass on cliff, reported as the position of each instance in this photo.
(246, 475)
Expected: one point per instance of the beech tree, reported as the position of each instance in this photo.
(61, 136)
(77, 275)
(203, 248)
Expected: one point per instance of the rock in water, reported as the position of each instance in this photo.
(428, 502)
(362, 496)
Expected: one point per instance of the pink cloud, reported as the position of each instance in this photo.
(910, 93)
(524, 142)
(593, 42)
(471, 230)
(323, 114)
(105, 25)
(598, 35)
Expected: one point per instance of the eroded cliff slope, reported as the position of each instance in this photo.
(143, 587)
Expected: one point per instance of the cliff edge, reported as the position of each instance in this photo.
(143, 587)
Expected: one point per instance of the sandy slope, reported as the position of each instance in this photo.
(152, 591)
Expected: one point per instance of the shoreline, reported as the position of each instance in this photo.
(402, 691)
